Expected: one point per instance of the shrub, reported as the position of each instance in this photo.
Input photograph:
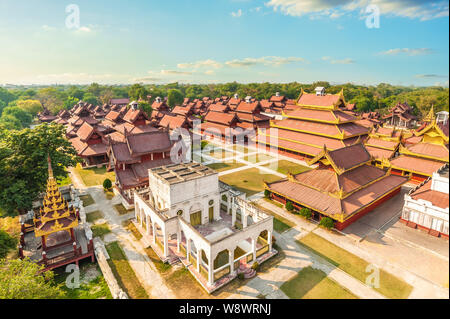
(289, 206)
(255, 266)
(107, 184)
(203, 144)
(6, 243)
(241, 276)
(266, 193)
(326, 222)
(306, 212)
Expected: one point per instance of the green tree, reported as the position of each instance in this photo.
(21, 279)
(107, 184)
(90, 98)
(75, 92)
(6, 243)
(326, 222)
(24, 117)
(137, 92)
(70, 102)
(289, 206)
(146, 107)
(10, 122)
(30, 106)
(174, 97)
(52, 98)
(23, 163)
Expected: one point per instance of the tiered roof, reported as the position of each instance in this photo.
(428, 154)
(317, 120)
(343, 184)
(55, 214)
(382, 142)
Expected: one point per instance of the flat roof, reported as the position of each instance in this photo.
(177, 173)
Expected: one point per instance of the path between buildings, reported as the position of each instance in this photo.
(145, 271)
(422, 288)
(297, 258)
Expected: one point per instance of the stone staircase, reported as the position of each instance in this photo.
(247, 271)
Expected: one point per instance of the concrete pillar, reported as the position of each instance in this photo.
(211, 270)
(254, 248)
(188, 248)
(199, 260)
(166, 243)
(233, 214)
(154, 232)
(178, 240)
(269, 239)
(228, 203)
(147, 224)
(244, 217)
(141, 217)
(231, 259)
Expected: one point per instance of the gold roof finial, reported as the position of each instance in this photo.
(50, 170)
(430, 116)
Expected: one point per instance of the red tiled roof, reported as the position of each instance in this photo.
(318, 100)
(421, 165)
(221, 118)
(321, 115)
(425, 192)
(85, 131)
(347, 129)
(132, 115)
(349, 156)
(219, 108)
(119, 101)
(379, 153)
(378, 142)
(245, 107)
(172, 121)
(439, 151)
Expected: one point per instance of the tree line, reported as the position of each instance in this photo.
(19, 106)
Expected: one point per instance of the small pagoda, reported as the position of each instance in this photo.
(55, 221)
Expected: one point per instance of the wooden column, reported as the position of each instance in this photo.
(44, 246)
(231, 259)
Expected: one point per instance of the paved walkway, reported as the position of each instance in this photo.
(143, 267)
(422, 288)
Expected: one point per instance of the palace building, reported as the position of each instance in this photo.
(424, 155)
(383, 143)
(318, 120)
(186, 215)
(344, 186)
(426, 205)
(401, 116)
(132, 158)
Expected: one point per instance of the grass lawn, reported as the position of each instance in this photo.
(92, 283)
(93, 216)
(280, 224)
(225, 166)
(124, 273)
(87, 200)
(273, 202)
(65, 181)
(94, 176)
(100, 230)
(130, 226)
(390, 286)
(312, 283)
(122, 210)
(285, 167)
(249, 181)
(219, 153)
(256, 158)
(109, 194)
(240, 148)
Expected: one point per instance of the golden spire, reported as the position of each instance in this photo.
(430, 116)
(50, 170)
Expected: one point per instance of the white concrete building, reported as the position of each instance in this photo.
(427, 206)
(187, 215)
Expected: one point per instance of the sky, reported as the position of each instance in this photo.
(217, 41)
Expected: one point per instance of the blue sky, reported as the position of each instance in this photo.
(210, 41)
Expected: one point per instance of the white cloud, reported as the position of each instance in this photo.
(268, 61)
(174, 72)
(431, 76)
(340, 61)
(200, 64)
(237, 14)
(408, 51)
(414, 9)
